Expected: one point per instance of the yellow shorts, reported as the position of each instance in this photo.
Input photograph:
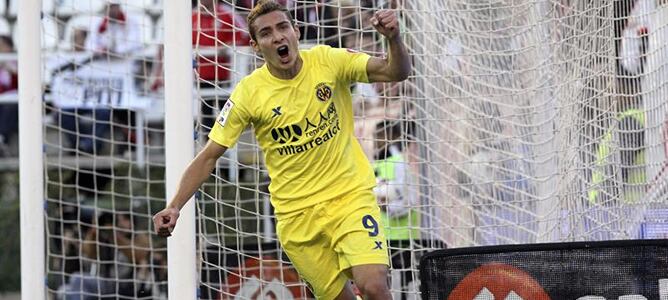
(323, 241)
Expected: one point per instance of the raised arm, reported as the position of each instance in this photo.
(397, 65)
(197, 172)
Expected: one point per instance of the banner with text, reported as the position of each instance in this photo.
(99, 83)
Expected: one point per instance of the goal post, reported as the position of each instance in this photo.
(179, 146)
(31, 149)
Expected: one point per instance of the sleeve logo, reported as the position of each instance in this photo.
(225, 112)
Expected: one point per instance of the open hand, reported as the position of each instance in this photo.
(164, 221)
(386, 23)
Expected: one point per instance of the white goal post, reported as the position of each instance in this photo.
(179, 150)
(31, 153)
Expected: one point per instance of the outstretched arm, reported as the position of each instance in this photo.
(197, 172)
(397, 65)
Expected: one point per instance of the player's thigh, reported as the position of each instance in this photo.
(359, 236)
(307, 247)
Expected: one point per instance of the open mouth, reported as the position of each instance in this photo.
(283, 51)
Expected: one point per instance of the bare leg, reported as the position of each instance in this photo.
(346, 293)
(372, 281)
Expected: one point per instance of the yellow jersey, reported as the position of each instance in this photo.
(304, 127)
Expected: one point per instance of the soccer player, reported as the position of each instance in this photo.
(299, 103)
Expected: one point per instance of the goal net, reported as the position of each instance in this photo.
(104, 148)
(521, 122)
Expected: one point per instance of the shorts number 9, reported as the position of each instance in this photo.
(370, 223)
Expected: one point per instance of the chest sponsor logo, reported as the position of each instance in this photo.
(323, 92)
(308, 134)
(290, 133)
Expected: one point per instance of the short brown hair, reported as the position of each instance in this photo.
(264, 7)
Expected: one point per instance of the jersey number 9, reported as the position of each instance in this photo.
(370, 223)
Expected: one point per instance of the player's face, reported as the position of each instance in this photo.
(277, 39)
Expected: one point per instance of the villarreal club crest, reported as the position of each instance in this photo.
(323, 92)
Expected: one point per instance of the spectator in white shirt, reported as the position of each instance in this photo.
(118, 34)
(8, 82)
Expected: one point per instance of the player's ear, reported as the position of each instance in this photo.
(297, 32)
(255, 46)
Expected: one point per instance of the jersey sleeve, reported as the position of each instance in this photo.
(350, 64)
(234, 117)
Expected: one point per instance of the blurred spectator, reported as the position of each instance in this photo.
(8, 82)
(156, 80)
(85, 128)
(117, 35)
(307, 15)
(68, 236)
(322, 21)
(373, 103)
(79, 37)
(395, 192)
(216, 27)
(397, 196)
(216, 30)
(365, 95)
(643, 53)
(359, 35)
(634, 35)
(627, 137)
(119, 257)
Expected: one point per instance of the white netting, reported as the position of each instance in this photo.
(522, 122)
(520, 128)
(104, 162)
(536, 130)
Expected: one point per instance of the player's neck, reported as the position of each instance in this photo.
(287, 74)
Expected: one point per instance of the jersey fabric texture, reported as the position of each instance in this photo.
(304, 126)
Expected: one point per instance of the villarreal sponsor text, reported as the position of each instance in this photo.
(294, 149)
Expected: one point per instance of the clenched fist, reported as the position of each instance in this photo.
(386, 23)
(165, 220)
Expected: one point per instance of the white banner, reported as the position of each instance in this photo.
(98, 84)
